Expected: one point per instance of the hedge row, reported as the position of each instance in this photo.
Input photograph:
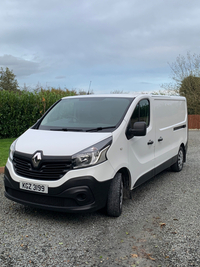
(20, 110)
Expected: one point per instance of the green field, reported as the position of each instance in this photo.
(4, 150)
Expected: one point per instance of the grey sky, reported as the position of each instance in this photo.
(117, 45)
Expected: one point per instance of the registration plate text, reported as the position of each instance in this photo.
(34, 187)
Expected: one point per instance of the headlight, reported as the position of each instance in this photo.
(92, 155)
(12, 150)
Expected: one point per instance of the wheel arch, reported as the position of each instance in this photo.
(126, 178)
(184, 152)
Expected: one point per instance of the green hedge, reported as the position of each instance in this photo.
(20, 110)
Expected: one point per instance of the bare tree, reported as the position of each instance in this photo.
(184, 67)
(185, 73)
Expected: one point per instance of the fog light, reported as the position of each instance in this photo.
(81, 197)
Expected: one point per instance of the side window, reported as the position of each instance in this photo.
(141, 113)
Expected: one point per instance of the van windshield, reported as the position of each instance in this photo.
(86, 114)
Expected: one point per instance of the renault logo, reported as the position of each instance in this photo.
(37, 157)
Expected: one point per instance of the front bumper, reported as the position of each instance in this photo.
(82, 194)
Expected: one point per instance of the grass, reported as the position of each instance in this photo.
(4, 150)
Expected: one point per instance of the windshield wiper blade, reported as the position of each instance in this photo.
(100, 128)
(66, 130)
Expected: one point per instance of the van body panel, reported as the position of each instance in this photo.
(57, 143)
(171, 127)
(117, 155)
(141, 149)
(141, 156)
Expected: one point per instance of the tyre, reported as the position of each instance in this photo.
(115, 196)
(178, 165)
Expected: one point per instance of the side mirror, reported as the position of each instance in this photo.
(139, 129)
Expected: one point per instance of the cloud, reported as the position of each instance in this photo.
(20, 66)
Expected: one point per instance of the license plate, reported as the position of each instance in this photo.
(34, 187)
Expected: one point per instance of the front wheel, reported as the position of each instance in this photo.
(115, 196)
(178, 165)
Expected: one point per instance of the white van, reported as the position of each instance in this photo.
(87, 151)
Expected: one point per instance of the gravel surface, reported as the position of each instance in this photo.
(160, 226)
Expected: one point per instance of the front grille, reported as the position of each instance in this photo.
(50, 168)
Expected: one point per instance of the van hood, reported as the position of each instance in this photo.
(56, 143)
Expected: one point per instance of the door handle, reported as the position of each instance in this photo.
(160, 139)
(150, 142)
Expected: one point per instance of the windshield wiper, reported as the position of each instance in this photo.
(100, 128)
(67, 130)
(81, 130)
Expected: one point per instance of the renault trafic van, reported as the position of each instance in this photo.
(87, 151)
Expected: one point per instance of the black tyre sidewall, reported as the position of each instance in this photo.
(115, 195)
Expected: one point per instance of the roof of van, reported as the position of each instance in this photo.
(103, 95)
(127, 95)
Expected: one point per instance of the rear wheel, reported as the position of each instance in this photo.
(178, 165)
(115, 196)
